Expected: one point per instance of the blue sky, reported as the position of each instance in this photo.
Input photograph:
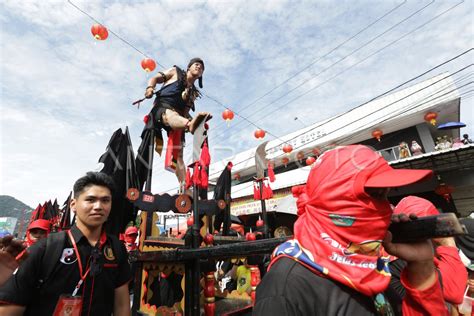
(63, 94)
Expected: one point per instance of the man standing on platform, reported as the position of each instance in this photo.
(171, 110)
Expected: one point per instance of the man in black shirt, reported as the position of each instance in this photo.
(89, 264)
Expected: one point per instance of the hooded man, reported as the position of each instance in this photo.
(37, 230)
(171, 109)
(333, 265)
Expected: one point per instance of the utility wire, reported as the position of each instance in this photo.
(319, 58)
(335, 117)
(352, 66)
(335, 63)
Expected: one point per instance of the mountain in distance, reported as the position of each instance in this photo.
(11, 207)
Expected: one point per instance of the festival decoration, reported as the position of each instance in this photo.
(310, 160)
(209, 239)
(259, 222)
(445, 191)
(99, 31)
(148, 64)
(377, 134)
(431, 117)
(228, 115)
(259, 134)
(287, 148)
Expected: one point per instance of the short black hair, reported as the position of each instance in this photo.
(93, 178)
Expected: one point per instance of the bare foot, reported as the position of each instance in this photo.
(197, 120)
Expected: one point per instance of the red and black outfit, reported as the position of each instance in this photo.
(40, 298)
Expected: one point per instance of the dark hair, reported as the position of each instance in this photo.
(93, 178)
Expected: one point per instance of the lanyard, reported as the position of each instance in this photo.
(79, 262)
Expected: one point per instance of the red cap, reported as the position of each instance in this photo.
(388, 177)
(415, 205)
(131, 230)
(41, 224)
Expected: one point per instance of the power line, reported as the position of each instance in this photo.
(350, 67)
(337, 62)
(396, 112)
(320, 58)
(337, 116)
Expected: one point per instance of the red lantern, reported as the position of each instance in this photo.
(259, 134)
(377, 134)
(310, 160)
(259, 222)
(190, 221)
(146, 118)
(228, 115)
(100, 32)
(148, 64)
(209, 239)
(285, 160)
(431, 117)
(300, 155)
(250, 236)
(445, 191)
(287, 148)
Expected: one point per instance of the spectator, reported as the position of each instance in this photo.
(10, 248)
(131, 234)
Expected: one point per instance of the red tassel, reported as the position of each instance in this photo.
(271, 174)
(256, 191)
(205, 158)
(267, 191)
(188, 179)
(204, 178)
(196, 180)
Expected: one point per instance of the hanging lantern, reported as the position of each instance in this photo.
(285, 160)
(445, 191)
(377, 134)
(431, 117)
(259, 222)
(287, 148)
(300, 155)
(100, 32)
(316, 151)
(259, 134)
(228, 115)
(310, 160)
(148, 64)
(190, 221)
(209, 239)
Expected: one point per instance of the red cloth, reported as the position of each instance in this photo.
(453, 273)
(256, 191)
(426, 302)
